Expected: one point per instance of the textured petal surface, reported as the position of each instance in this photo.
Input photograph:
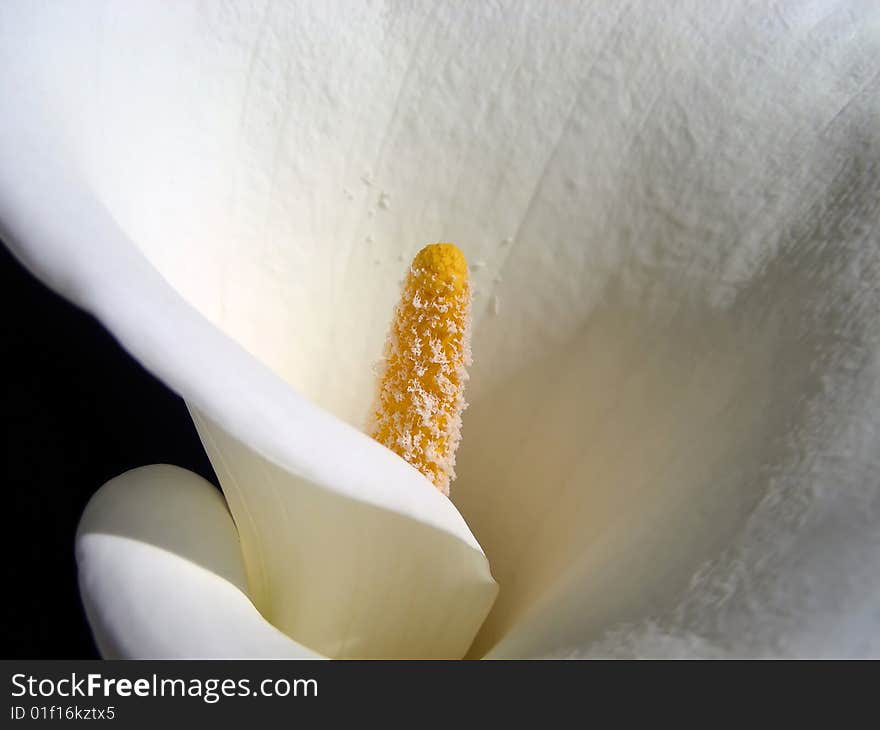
(672, 221)
(161, 574)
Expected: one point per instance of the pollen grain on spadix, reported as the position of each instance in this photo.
(421, 388)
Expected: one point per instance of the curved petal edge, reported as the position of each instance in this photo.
(161, 576)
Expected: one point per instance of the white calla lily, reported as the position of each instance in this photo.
(671, 445)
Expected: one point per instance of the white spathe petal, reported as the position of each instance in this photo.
(348, 548)
(699, 458)
(351, 578)
(676, 226)
(161, 575)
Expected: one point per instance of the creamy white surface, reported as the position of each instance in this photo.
(161, 573)
(673, 429)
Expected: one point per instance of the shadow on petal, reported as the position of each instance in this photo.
(673, 440)
(351, 578)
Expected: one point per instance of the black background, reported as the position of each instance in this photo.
(78, 410)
